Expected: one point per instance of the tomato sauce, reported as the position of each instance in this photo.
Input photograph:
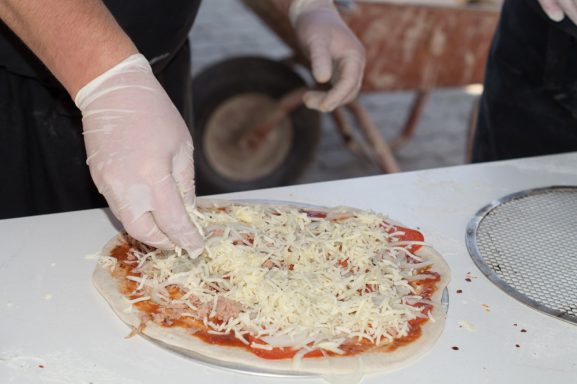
(409, 234)
(315, 214)
(228, 339)
(277, 353)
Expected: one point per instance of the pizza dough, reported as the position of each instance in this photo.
(185, 342)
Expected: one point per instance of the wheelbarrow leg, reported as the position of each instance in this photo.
(473, 116)
(346, 131)
(412, 120)
(384, 156)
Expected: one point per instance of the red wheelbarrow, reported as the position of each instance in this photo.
(252, 130)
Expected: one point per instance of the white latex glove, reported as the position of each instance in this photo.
(334, 51)
(558, 9)
(140, 155)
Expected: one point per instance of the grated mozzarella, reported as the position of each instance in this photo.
(304, 282)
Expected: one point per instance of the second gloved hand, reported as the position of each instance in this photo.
(557, 9)
(140, 155)
(334, 51)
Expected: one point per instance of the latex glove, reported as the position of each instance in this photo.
(140, 155)
(558, 9)
(334, 51)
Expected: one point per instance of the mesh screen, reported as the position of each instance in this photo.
(530, 243)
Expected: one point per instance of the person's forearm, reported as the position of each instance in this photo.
(76, 40)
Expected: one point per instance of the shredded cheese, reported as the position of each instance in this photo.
(297, 280)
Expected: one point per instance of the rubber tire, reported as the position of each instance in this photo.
(232, 77)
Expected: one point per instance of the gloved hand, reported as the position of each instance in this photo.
(334, 51)
(558, 9)
(140, 155)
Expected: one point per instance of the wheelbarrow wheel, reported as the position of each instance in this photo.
(233, 97)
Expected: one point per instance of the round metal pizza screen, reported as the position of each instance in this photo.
(526, 243)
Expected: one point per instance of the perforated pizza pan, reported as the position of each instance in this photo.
(526, 243)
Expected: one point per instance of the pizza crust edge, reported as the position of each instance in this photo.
(184, 343)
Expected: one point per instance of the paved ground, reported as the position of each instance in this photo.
(225, 28)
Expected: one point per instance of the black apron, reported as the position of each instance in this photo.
(42, 156)
(529, 103)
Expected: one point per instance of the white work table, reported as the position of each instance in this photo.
(55, 327)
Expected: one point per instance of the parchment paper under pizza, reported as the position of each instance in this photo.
(284, 288)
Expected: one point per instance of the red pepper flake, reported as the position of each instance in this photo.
(40, 366)
(455, 348)
(459, 291)
(469, 277)
(523, 331)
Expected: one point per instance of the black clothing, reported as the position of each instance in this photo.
(159, 29)
(43, 160)
(529, 104)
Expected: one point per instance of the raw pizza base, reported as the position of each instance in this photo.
(185, 343)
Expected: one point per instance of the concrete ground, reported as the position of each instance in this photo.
(225, 28)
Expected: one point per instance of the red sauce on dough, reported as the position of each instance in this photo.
(228, 339)
(427, 288)
(408, 235)
(316, 214)
(120, 252)
(277, 353)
